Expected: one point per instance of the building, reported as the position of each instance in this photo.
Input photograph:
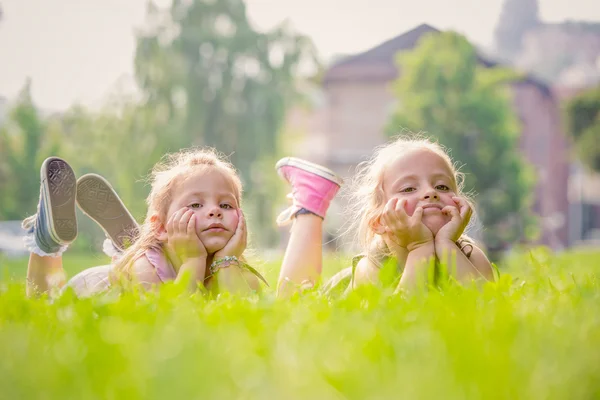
(567, 53)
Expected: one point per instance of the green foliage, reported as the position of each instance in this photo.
(582, 115)
(531, 335)
(444, 91)
(202, 61)
(120, 142)
(233, 81)
(207, 77)
(25, 142)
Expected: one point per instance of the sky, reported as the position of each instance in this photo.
(82, 50)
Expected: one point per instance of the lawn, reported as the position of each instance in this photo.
(533, 334)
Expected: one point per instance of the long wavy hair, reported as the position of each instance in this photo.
(165, 180)
(366, 196)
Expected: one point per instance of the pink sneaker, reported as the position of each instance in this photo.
(313, 187)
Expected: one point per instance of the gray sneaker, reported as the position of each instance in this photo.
(99, 201)
(55, 223)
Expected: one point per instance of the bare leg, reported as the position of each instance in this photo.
(44, 274)
(303, 259)
(313, 188)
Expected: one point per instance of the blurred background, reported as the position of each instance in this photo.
(111, 85)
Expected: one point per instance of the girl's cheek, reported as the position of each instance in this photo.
(411, 204)
(235, 216)
(447, 199)
(197, 214)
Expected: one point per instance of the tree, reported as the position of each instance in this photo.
(24, 144)
(203, 62)
(122, 142)
(517, 17)
(582, 116)
(444, 91)
(234, 82)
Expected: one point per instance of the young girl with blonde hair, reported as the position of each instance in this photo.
(194, 225)
(407, 205)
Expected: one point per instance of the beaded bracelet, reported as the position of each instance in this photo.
(223, 263)
(233, 260)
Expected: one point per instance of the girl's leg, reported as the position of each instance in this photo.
(303, 258)
(52, 228)
(44, 274)
(313, 188)
(98, 200)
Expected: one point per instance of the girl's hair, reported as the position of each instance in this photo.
(367, 199)
(165, 180)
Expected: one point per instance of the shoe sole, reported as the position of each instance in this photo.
(309, 167)
(59, 185)
(98, 200)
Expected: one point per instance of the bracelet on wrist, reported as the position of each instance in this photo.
(223, 263)
(227, 261)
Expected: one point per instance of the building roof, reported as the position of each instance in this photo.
(386, 51)
(378, 63)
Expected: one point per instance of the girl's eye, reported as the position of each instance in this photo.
(442, 187)
(407, 190)
(226, 206)
(195, 205)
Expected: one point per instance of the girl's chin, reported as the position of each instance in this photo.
(435, 223)
(214, 245)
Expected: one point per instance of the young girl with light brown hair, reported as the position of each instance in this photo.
(194, 226)
(408, 207)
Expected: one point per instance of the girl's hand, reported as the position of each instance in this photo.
(183, 242)
(406, 232)
(237, 244)
(461, 215)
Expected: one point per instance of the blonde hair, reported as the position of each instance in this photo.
(165, 179)
(367, 199)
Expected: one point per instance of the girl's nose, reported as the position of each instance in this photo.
(431, 194)
(215, 212)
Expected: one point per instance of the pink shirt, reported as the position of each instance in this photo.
(96, 279)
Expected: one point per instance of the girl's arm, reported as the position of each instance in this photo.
(184, 248)
(417, 268)
(408, 236)
(144, 273)
(234, 279)
(367, 272)
(461, 267)
(196, 269)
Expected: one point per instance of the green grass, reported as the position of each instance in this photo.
(15, 269)
(534, 334)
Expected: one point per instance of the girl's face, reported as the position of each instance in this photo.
(212, 198)
(425, 180)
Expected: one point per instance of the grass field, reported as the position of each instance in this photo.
(534, 334)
